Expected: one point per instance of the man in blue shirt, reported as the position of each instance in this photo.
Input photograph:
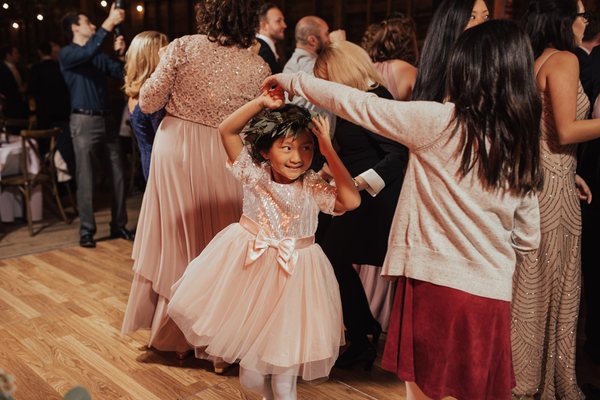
(93, 130)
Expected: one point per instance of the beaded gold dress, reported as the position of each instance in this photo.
(190, 196)
(547, 283)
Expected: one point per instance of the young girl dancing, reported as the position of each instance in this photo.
(467, 207)
(262, 293)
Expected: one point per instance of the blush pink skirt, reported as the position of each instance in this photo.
(257, 314)
(189, 198)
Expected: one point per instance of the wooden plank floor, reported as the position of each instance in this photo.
(60, 315)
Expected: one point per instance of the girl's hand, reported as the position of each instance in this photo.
(321, 131)
(585, 194)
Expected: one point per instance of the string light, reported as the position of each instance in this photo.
(40, 17)
(15, 25)
(140, 8)
(5, 6)
(103, 3)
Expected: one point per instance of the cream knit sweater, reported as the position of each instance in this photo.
(447, 231)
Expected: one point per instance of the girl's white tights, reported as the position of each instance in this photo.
(270, 387)
(413, 392)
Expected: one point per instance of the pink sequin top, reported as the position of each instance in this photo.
(203, 82)
(282, 210)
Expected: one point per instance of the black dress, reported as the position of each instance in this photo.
(360, 236)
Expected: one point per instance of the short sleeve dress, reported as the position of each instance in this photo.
(262, 293)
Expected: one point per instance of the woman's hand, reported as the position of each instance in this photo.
(272, 83)
(585, 194)
(272, 99)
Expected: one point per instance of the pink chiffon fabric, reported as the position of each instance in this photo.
(190, 196)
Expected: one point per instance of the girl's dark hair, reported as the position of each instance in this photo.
(392, 39)
(498, 108)
(549, 23)
(270, 125)
(448, 22)
(228, 22)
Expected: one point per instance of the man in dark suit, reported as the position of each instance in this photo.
(271, 29)
(12, 87)
(588, 167)
(52, 103)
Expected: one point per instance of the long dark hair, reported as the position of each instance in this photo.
(498, 108)
(549, 23)
(228, 22)
(448, 22)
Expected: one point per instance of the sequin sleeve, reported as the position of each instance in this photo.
(244, 168)
(156, 91)
(323, 193)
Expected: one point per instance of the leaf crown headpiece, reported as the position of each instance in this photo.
(269, 125)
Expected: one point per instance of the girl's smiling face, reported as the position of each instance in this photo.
(290, 156)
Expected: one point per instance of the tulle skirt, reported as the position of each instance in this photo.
(258, 315)
(189, 198)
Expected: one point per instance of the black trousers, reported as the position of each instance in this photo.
(358, 319)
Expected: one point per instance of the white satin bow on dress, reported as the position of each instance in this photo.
(286, 250)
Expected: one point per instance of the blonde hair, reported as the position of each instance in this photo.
(142, 59)
(347, 63)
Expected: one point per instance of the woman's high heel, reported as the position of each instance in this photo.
(220, 366)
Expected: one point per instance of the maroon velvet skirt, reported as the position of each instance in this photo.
(451, 343)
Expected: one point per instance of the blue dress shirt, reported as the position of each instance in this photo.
(85, 69)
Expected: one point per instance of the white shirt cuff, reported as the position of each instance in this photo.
(374, 182)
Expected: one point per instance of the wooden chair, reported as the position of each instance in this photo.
(46, 176)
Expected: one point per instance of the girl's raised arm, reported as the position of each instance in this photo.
(347, 194)
(233, 125)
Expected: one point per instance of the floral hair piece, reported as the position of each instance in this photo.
(269, 125)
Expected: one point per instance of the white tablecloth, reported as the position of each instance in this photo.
(11, 200)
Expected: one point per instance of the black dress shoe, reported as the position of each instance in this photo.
(375, 332)
(122, 233)
(87, 241)
(356, 354)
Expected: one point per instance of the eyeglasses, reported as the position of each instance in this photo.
(585, 15)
